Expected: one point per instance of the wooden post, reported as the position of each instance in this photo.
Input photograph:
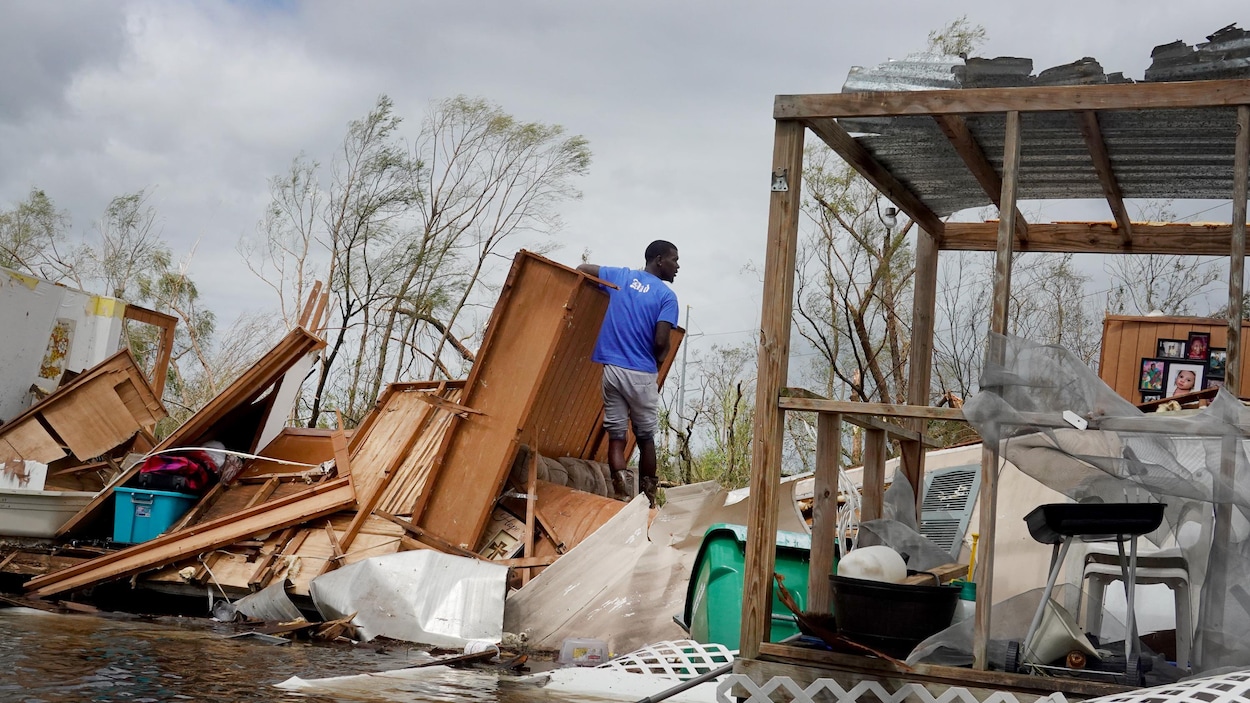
(824, 511)
(531, 496)
(920, 361)
(1237, 255)
(994, 354)
(774, 354)
(873, 479)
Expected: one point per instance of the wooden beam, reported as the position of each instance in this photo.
(878, 175)
(531, 501)
(306, 316)
(1237, 252)
(527, 562)
(1128, 96)
(848, 407)
(167, 324)
(956, 130)
(434, 541)
(771, 370)
(294, 509)
(1087, 120)
(442, 403)
(994, 355)
(825, 535)
(920, 358)
(873, 479)
(868, 422)
(1198, 239)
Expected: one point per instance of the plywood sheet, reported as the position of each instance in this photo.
(524, 330)
(27, 439)
(93, 419)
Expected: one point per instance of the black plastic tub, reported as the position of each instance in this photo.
(891, 618)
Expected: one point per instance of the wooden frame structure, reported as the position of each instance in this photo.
(1002, 110)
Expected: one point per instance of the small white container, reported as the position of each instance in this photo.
(583, 651)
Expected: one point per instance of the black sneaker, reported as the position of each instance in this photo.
(648, 485)
(623, 483)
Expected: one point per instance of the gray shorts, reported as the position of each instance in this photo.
(630, 395)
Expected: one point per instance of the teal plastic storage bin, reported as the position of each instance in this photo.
(141, 514)
(713, 610)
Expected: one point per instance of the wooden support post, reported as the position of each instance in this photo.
(531, 495)
(825, 535)
(773, 364)
(920, 360)
(994, 354)
(1237, 255)
(873, 479)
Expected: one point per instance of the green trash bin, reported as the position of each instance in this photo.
(713, 610)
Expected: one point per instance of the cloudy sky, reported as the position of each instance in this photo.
(202, 102)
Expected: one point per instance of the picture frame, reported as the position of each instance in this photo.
(1151, 375)
(1150, 397)
(1181, 385)
(1213, 383)
(1199, 346)
(1171, 348)
(1216, 362)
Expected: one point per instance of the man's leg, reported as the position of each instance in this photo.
(616, 422)
(648, 482)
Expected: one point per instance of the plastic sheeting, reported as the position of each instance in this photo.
(417, 596)
(1196, 463)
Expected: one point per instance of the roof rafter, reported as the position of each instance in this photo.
(1090, 129)
(1120, 96)
(956, 130)
(1097, 238)
(878, 175)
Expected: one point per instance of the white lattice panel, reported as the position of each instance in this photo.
(1225, 688)
(868, 691)
(681, 659)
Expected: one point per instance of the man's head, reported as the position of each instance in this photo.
(662, 260)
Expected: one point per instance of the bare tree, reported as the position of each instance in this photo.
(1168, 283)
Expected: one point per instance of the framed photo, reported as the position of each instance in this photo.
(1184, 377)
(1199, 346)
(1151, 397)
(1216, 362)
(1152, 375)
(1171, 348)
(1213, 383)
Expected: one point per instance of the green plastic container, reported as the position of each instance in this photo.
(714, 597)
(140, 514)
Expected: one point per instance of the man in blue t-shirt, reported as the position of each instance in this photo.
(642, 309)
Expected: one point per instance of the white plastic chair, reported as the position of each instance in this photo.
(1167, 567)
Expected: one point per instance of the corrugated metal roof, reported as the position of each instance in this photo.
(1176, 153)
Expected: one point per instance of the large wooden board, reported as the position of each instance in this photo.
(1126, 340)
(94, 419)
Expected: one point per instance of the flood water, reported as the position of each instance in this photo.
(70, 658)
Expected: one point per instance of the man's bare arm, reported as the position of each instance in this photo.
(659, 345)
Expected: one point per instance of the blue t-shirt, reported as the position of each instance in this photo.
(641, 301)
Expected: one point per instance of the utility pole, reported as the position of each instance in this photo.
(681, 393)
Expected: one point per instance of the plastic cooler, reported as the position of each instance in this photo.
(713, 611)
(142, 514)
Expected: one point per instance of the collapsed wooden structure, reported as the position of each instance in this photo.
(424, 470)
(1071, 141)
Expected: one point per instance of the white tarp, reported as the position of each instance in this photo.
(417, 596)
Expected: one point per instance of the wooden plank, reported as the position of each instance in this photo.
(426, 537)
(847, 407)
(200, 508)
(1087, 120)
(531, 494)
(443, 404)
(93, 419)
(920, 358)
(549, 529)
(301, 507)
(824, 512)
(879, 176)
(771, 371)
(960, 137)
(995, 355)
(1237, 252)
(1198, 239)
(873, 480)
(314, 295)
(1130, 96)
(526, 562)
(335, 545)
(945, 574)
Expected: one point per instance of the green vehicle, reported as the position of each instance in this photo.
(713, 610)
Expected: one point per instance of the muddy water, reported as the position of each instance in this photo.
(70, 658)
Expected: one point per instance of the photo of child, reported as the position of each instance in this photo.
(1199, 345)
(1217, 361)
(1184, 378)
(1152, 375)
